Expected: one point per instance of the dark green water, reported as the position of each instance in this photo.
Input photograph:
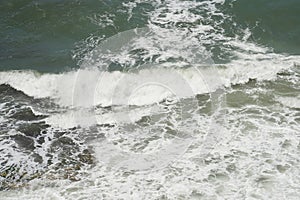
(44, 35)
(273, 23)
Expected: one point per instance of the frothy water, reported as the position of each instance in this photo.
(188, 106)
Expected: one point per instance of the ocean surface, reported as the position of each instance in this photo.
(152, 99)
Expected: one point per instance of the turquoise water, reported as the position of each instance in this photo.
(154, 99)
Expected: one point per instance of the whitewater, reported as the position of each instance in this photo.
(186, 106)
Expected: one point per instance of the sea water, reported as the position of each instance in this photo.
(154, 99)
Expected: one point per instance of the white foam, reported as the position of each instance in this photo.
(91, 87)
(87, 118)
(292, 102)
